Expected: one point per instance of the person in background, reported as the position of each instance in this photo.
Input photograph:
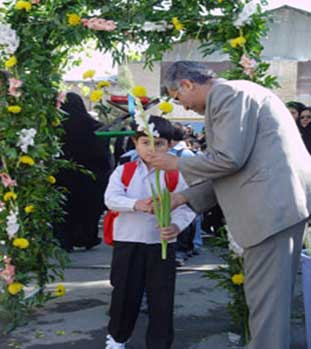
(136, 262)
(184, 244)
(295, 109)
(85, 194)
(188, 131)
(304, 125)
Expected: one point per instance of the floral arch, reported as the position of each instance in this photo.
(36, 37)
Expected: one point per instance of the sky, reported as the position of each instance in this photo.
(302, 4)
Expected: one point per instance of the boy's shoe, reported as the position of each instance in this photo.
(179, 262)
(112, 344)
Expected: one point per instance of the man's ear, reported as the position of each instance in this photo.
(186, 84)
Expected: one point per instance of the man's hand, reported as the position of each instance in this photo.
(170, 232)
(164, 162)
(177, 199)
(144, 205)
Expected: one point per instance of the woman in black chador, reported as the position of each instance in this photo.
(85, 197)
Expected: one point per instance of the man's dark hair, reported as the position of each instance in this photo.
(162, 125)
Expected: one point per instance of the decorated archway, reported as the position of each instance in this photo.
(36, 37)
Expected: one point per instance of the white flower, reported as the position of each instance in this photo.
(233, 245)
(244, 17)
(26, 138)
(152, 130)
(141, 120)
(8, 38)
(12, 226)
(155, 27)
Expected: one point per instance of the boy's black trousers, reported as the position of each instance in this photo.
(137, 267)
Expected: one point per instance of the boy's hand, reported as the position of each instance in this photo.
(144, 205)
(170, 232)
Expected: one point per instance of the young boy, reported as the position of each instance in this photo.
(136, 263)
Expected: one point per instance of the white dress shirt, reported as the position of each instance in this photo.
(135, 226)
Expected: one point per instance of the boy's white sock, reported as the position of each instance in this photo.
(112, 344)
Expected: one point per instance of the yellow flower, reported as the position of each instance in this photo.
(177, 24)
(21, 243)
(15, 288)
(139, 91)
(73, 19)
(103, 83)
(29, 208)
(10, 195)
(239, 41)
(60, 290)
(51, 179)
(89, 74)
(23, 5)
(14, 109)
(11, 62)
(27, 160)
(238, 279)
(96, 95)
(166, 107)
(56, 122)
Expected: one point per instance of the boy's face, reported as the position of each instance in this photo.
(144, 148)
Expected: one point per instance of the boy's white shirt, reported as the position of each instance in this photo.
(135, 226)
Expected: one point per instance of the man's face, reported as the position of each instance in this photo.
(144, 147)
(190, 95)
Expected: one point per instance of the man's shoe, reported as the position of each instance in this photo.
(112, 344)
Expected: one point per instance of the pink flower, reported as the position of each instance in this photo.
(7, 181)
(248, 64)
(34, 2)
(60, 99)
(8, 273)
(14, 84)
(99, 24)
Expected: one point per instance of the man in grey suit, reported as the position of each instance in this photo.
(259, 171)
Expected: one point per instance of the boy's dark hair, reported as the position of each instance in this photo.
(179, 131)
(162, 125)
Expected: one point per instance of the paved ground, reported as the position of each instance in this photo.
(79, 319)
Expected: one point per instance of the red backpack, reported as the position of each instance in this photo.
(129, 168)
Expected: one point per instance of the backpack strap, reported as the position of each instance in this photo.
(171, 179)
(129, 169)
